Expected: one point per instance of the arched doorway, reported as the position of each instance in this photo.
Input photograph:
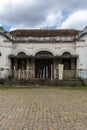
(44, 65)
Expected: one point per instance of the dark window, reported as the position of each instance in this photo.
(21, 54)
(21, 64)
(44, 53)
(66, 60)
(21, 60)
(66, 54)
(67, 64)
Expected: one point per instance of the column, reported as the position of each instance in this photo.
(27, 69)
(73, 64)
(55, 68)
(51, 72)
(73, 67)
(32, 68)
(15, 68)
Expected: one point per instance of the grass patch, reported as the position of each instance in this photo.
(73, 87)
(45, 87)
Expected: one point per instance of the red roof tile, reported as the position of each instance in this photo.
(44, 33)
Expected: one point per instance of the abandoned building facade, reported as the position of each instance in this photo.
(43, 54)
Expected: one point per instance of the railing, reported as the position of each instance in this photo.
(23, 74)
(30, 74)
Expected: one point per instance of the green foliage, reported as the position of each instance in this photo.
(45, 87)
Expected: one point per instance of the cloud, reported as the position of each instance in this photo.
(38, 13)
(51, 21)
(77, 20)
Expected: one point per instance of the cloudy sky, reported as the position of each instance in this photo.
(43, 14)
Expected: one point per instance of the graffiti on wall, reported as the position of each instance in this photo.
(83, 74)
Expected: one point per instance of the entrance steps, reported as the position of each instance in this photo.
(47, 82)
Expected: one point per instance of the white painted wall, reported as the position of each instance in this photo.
(5, 50)
(54, 48)
(81, 50)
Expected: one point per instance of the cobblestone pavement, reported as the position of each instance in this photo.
(43, 109)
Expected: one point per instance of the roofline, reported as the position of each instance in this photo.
(5, 33)
(32, 39)
(81, 33)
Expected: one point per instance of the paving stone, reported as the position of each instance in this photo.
(43, 109)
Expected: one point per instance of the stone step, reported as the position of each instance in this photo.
(73, 82)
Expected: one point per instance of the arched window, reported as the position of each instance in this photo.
(44, 54)
(21, 54)
(66, 54)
